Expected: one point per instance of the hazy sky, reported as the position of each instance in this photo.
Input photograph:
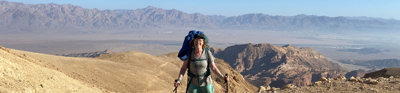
(370, 8)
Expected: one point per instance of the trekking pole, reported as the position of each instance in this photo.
(227, 84)
(176, 88)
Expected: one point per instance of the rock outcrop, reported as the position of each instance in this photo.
(265, 64)
(356, 73)
(387, 72)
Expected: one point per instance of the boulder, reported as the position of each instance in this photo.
(318, 83)
(341, 78)
(274, 89)
(264, 88)
(289, 86)
(371, 81)
(352, 79)
(323, 79)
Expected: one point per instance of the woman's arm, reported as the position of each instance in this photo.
(183, 70)
(216, 70)
(181, 73)
(213, 66)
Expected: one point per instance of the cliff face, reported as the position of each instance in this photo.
(265, 64)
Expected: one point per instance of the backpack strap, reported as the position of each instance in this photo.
(190, 61)
(190, 74)
(206, 74)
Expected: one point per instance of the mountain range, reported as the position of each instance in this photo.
(19, 17)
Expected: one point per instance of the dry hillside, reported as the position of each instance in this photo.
(125, 72)
(21, 73)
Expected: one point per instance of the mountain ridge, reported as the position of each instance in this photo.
(58, 18)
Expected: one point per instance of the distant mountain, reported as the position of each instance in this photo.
(383, 63)
(53, 17)
(307, 22)
(89, 54)
(276, 66)
(364, 51)
(18, 17)
(375, 64)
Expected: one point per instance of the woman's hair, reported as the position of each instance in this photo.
(204, 42)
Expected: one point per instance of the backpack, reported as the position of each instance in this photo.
(186, 49)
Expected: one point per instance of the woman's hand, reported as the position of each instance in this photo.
(177, 83)
(226, 78)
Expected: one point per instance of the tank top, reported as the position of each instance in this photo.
(199, 67)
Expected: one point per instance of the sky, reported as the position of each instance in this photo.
(388, 9)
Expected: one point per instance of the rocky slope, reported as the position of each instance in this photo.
(265, 64)
(381, 82)
(356, 85)
(20, 73)
(127, 72)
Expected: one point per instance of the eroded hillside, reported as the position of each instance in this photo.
(266, 64)
(124, 72)
(20, 73)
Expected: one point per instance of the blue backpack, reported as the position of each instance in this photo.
(186, 47)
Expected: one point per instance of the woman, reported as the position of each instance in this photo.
(199, 64)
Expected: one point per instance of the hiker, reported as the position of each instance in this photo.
(199, 63)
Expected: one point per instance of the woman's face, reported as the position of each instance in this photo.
(198, 43)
